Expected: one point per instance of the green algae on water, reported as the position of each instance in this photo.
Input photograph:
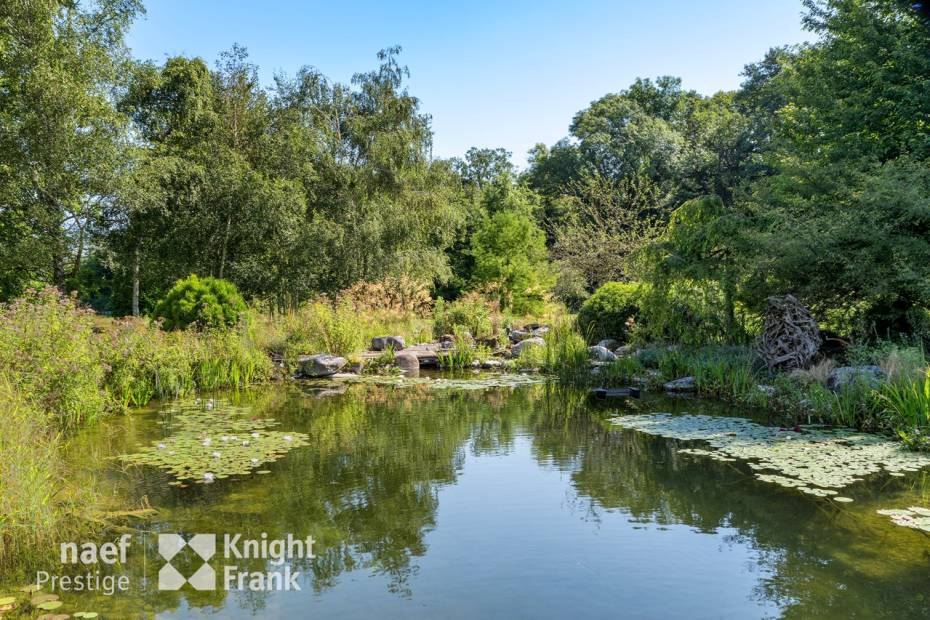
(215, 442)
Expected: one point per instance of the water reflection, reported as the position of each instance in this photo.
(518, 502)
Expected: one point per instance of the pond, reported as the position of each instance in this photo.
(507, 502)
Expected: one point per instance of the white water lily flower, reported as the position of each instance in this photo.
(216, 455)
(208, 477)
(207, 441)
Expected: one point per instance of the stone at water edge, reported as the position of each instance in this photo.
(518, 335)
(684, 384)
(540, 331)
(382, 343)
(602, 354)
(408, 362)
(839, 378)
(322, 365)
(608, 343)
(526, 344)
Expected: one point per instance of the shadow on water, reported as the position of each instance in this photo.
(510, 502)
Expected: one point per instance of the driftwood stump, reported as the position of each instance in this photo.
(790, 335)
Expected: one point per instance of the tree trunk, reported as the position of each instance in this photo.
(135, 283)
(225, 243)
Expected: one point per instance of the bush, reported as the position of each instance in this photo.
(49, 351)
(202, 302)
(322, 327)
(609, 312)
(472, 312)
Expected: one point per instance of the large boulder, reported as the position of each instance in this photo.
(684, 384)
(839, 378)
(408, 362)
(322, 365)
(608, 343)
(518, 335)
(523, 345)
(601, 354)
(383, 343)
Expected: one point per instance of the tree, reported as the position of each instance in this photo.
(510, 254)
(60, 136)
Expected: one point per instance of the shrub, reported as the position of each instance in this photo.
(49, 352)
(202, 302)
(472, 312)
(400, 295)
(322, 327)
(609, 312)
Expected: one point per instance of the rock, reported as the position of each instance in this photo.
(492, 363)
(625, 350)
(608, 343)
(383, 343)
(839, 378)
(684, 384)
(602, 354)
(322, 365)
(518, 335)
(407, 362)
(523, 345)
(540, 331)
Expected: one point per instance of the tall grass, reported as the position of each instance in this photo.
(32, 512)
(908, 404)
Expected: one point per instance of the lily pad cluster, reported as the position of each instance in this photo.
(816, 460)
(915, 517)
(216, 442)
(31, 598)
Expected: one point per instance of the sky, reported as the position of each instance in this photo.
(492, 74)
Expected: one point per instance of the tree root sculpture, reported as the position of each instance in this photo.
(790, 335)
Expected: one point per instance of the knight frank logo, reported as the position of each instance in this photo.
(273, 553)
(170, 578)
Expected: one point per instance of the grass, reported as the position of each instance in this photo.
(33, 511)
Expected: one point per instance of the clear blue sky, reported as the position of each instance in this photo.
(491, 74)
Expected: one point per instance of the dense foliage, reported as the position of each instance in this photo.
(201, 302)
(610, 311)
(120, 177)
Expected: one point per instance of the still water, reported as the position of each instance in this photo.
(507, 503)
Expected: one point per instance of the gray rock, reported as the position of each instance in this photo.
(684, 384)
(382, 343)
(407, 361)
(518, 335)
(625, 350)
(492, 363)
(523, 345)
(602, 354)
(540, 331)
(839, 378)
(608, 343)
(322, 365)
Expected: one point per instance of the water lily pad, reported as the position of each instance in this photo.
(7, 600)
(816, 461)
(48, 605)
(191, 453)
(43, 598)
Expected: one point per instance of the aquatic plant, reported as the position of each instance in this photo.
(215, 440)
(908, 404)
(914, 517)
(815, 460)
